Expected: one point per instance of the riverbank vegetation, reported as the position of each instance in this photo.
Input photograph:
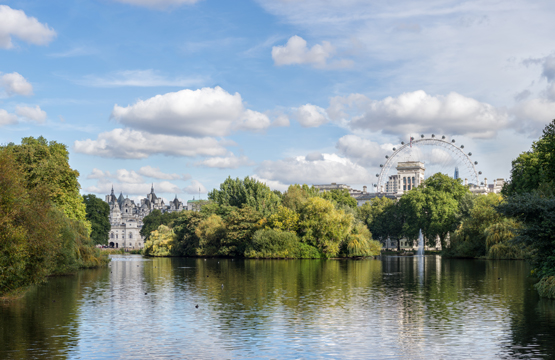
(43, 226)
(246, 219)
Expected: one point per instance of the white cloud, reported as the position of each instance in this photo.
(272, 184)
(158, 4)
(105, 187)
(281, 120)
(138, 78)
(228, 162)
(549, 67)
(311, 115)
(363, 151)
(98, 174)
(132, 144)
(533, 115)
(195, 188)
(299, 170)
(128, 177)
(31, 113)
(296, 52)
(417, 112)
(7, 118)
(202, 112)
(29, 29)
(14, 83)
(155, 173)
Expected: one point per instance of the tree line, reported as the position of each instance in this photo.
(44, 226)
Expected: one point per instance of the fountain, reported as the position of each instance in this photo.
(420, 251)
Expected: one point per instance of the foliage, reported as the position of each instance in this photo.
(340, 198)
(187, 241)
(546, 287)
(241, 224)
(36, 238)
(153, 220)
(378, 217)
(537, 215)
(45, 165)
(160, 243)
(284, 219)
(296, 196)
(248, 192)
(534, 168)
(210, 233)
(274, 243)
(98, 214)
(324, 227)
(360, 243)
(499, 243)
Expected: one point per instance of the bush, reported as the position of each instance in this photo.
(160, 243)
(272, 243)
(546, 287)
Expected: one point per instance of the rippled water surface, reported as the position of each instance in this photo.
(395, 307)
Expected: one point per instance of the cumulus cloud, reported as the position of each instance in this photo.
(15, 84)
(295, 51)
(228, 162)
(133, 144)
(533, 115)
(299, 170)
(138, 78)
(127, 181)
(281, 120)
(418, 112)
(155, 173)
(29, 29)
(202, 112)
(311, 115)
(195, 187)
(31, 113)
(7, 118)
(159, 4)
(362, 151)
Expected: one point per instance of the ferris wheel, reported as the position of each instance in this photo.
(438, 155)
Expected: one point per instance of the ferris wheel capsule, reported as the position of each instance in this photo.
(453, 140)
(479, 173)
(462, 146)
(433, 136)
(381, 165)
(475, 162)
(377, 175)
(422, 136)
(443, 137)
(387, 156)
(469, 154)
(402, 143)
(394, 149)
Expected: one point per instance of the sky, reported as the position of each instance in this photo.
(182, 94)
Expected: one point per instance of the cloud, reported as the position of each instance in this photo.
(29, 29)
(549, 67)
(195, 187)
(159, 4)
(417, 112)
(31, 113)
(362, 151)
(311, 115)
(533, 115)
(14, 83)
(299, 170)
(133, 144)
(105, 187)
(228, 162)
(7, 118)
(202, 112)
(295, 51)
(281, 120)
(138, 78)
(155, 173)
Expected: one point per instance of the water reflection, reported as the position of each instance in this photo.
(395, 307)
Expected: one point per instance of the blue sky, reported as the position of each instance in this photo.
(183, 93)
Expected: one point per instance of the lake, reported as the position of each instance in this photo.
(389, 308)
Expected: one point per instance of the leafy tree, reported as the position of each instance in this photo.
(432, 208)
(45, 164)
(241, 224)
(274, 243)
(296, 196)
(210, 231)
(370, 213)
(156, 218)
(284, 219)
(499, 242)
(187, 241)
(98, 214)
(324, 227)
(340, 197)
(533, 168)
(247, 192)
(360, 243)
(161, 242)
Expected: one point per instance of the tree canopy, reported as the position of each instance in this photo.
(98, 214)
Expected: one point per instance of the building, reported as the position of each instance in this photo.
(126, 217)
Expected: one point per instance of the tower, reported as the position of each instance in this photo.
(456, 173)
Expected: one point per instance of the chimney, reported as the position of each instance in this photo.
(465, 182)
(364, 189)
(486, 182)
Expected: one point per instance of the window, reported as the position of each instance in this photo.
(112, 235)
(131, 235)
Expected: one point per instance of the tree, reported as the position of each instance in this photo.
(340, 197)
(296, 196)
(370, 213)
(187, 241)
(533, 168)
(156, 218)
(247, 192)
(98, 214)
(241, 224)
(210, 231)
(45, 164)
(432, 208)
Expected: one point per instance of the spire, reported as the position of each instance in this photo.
(152, 189)
(112, 189)
(175, 196)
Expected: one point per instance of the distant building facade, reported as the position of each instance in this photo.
(126, 217)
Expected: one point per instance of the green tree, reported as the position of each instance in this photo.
(375, 215)
(156, 218)
(533, 168)
(247, 192)
(296, 196)
(284, 219)
(161, 242)
(45, 164)
(241, 224)
(340, 197)
(210, 231)
(324, 227)
(186, 238)
(98, 214)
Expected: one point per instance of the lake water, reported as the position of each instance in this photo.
(391, 308)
